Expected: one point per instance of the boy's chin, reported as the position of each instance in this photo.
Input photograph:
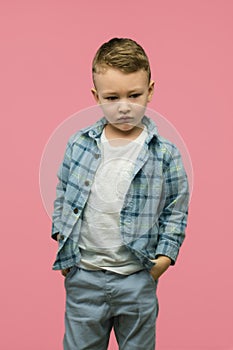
(124, 126)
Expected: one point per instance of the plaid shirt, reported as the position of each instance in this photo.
(154, 214)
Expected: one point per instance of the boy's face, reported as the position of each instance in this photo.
(123, 96)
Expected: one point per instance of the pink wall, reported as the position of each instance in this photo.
(46, 52)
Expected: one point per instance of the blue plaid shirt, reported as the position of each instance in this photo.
(154, 214)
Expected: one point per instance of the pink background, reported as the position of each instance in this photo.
(46, 52)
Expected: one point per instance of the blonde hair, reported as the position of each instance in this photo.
(123, 54)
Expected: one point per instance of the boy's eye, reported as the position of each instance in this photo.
(134, 95)
(111, 98)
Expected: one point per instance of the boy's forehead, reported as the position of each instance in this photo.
(108, 76)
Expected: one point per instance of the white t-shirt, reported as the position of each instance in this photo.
(100, 240)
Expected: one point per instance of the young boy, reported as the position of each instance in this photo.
(121, 209)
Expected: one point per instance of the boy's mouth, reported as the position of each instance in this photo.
(125, 119)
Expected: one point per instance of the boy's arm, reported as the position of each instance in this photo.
(173, 218)
(63, 174)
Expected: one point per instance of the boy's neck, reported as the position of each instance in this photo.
(112, 132)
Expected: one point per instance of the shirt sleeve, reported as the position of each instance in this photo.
(173, 217)
(62, 175)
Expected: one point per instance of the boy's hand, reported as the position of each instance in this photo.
(162, 264)
(65, 271)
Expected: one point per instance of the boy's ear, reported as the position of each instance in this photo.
(150, 90)
(95, 94)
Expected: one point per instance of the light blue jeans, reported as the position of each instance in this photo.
(97, 301)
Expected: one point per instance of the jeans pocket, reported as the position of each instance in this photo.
(153, 281)
(72, 271)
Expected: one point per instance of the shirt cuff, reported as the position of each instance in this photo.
(168, 249)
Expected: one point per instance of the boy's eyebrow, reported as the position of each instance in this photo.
(109, 92)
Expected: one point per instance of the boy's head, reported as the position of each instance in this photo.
(122, 82)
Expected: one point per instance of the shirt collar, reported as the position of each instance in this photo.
(96, 129)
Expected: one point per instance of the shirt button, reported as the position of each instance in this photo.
(87, 183)
(62, 237)
(75, 210)
(97, 156)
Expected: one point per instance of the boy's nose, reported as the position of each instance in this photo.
(124, 107)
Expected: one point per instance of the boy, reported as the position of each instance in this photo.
(121, 209)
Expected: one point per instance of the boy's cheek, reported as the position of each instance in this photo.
(110, 111)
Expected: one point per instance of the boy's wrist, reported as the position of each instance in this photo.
(164, 259)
